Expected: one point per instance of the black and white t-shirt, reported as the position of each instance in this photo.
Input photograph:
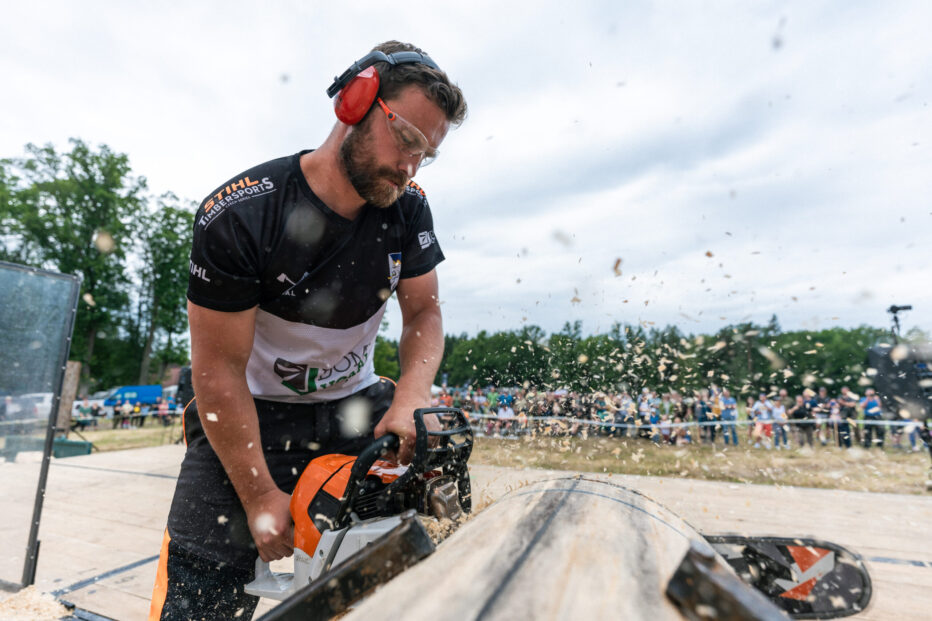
(321, 282)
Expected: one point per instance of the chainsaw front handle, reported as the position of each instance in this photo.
(365, 461)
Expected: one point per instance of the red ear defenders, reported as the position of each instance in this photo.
(357, 87)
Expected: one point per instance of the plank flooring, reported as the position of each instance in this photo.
(106, 512)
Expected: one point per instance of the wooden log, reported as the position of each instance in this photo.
(567, 548)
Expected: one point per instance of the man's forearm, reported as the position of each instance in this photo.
(420, 351)
(228, 416)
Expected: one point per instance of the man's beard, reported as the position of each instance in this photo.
(367, 177)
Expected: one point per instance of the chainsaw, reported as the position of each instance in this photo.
(344, 507)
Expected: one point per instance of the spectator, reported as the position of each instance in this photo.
(847, 404)
(140, 411)
(127, 412)
(162, 410)
(480, 400)
(838, 424)
(654, 421)
(749, 414)
(784, 397)
(778, 413)
(913, 431)
(701, 411)
(729, 407)
(492, 402)
(117, 413)
(665, 429)
(681, 435)
(822, 410)
(802, 428)
(873, 431)
(644, 413)
(446, 399)
(506, 418)
(763, 427)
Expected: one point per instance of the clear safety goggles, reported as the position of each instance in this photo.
(408, 138)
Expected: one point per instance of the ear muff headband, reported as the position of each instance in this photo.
(357, 87)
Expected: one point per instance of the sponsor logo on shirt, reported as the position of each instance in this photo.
(283, 278)
(200, 272)
(237, 192)
(415, 188)
(304, 379)
(394, 268)
(426, 238)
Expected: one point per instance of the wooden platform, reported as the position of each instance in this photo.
(105, 513)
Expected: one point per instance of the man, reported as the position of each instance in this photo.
(292, 265)
(729, 416)
(763, 427)
(847, 402)
(821, 409)
(800, 414)
(873, 416)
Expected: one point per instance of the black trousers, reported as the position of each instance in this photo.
(197, 589)
(871, 431)
(207, 526)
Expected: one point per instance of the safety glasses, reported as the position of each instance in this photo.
(409, 138)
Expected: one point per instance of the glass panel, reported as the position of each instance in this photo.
(36, 320)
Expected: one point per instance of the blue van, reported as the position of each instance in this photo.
(148, 394)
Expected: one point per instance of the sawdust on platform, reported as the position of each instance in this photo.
(31, 604)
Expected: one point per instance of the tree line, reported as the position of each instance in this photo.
(747, 358)
(83, 211)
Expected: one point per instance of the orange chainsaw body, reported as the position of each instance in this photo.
(319, 491)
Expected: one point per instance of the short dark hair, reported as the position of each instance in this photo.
(434, 82)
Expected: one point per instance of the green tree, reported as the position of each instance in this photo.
(385, 358)
(71, 212)
(164, 246)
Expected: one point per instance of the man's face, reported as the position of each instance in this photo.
(377, 169)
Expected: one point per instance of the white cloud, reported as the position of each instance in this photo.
(642, 131)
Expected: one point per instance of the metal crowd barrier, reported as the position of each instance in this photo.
(714, 423)
(839, 432)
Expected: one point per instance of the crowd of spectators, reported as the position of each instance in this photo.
(126, 414)
(769, 420)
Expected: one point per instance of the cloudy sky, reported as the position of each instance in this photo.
(695, 164)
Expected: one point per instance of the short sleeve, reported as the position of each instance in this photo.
(421, 250)
(225, 264)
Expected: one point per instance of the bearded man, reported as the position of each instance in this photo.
(292, 266)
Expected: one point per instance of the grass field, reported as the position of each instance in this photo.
(857, 469)
(888, 470)
(106, 439)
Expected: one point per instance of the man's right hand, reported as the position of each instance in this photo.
(270, 524)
